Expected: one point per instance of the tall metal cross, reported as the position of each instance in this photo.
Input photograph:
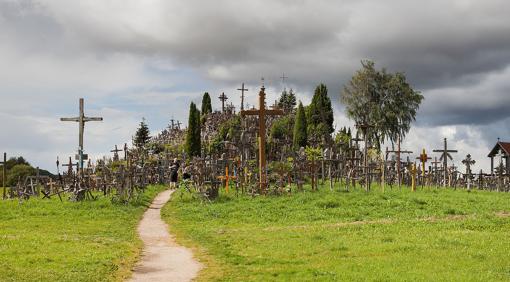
(81, 120)
(242, 89)
(262, 112)
(445, 155)
(223, 98)
(4, 174)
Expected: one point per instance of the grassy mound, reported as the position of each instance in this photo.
(431, 234)
(46, 240)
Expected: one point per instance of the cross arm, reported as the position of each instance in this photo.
(250, 113)
(274, 112)
(93, 119)
(70, 119)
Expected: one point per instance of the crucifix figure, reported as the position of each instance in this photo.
(262, 112)
(242, 89)
(468, 162)
(223, 98)
(445, 155)
(81, 120)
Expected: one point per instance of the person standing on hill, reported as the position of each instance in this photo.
(174, 173)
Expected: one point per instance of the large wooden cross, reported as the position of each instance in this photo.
(116, 153)
(242, 89)
(81, 120)
(445, 155)
(223, 98)
(262, 112)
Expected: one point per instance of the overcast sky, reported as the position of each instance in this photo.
(134, 59)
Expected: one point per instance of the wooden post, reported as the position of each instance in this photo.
(413, 177)
(4, 175)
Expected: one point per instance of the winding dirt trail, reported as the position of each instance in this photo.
(162, 259)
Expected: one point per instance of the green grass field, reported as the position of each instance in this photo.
(46, 240)
(431, 234)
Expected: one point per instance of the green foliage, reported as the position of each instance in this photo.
(300, 136)
(193, 141)
(431, 235)
(19, 171)
(206, 104)
(320, 115)
(287, 101)
(69, 241)
(142, 135)
(343, 138)
(230, 130)
(281, 128)
(384, 100)
(313, 154)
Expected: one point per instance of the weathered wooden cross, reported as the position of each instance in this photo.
(445, 155)
(116, 153)
(262, 112)
(398, 152)
(81, 120)
(242, 89)
(223, 98)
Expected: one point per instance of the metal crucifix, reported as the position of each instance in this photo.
(81, 120)
(262, 112)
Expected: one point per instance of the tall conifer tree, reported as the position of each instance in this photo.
(300, 128)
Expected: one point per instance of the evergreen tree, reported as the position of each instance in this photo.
(300, 128)
(320, 115)
(206, 104)
(193, 145)
(142, 135)
(287, 101)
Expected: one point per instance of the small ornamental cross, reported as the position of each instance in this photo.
(226, 178)
(223, 98)
(423, 160)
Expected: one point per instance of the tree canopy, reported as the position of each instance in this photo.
(193, 142)
(383, 100)
(287, 101)
(142, 135)
(300, 137)
(206, 104)
(320, 115)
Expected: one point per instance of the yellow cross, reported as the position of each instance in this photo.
(226, 178)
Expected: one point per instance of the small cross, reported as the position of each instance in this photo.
(116, 153)
(223, 98)
(242, 89)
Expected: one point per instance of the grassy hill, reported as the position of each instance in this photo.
(46, 240)
(432, 234)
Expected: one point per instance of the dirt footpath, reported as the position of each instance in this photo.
(162, 259)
